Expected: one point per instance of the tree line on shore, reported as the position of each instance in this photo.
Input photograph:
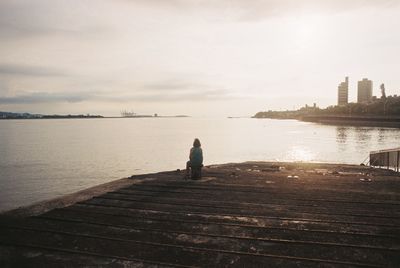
(385, 106)
(9, 115)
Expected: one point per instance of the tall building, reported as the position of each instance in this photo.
(364, 90)
(343, 92)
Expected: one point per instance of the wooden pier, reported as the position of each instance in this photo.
(252, 214)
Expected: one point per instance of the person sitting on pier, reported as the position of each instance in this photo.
(195, 162)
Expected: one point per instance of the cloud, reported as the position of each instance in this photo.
(41, 97)
(16, 30)
(19, 18)
(187, 94)
(263, 9)
(26, 70)
(270, 4)
(174, 85)
(180, 90)
(84, 20)
(22, 17)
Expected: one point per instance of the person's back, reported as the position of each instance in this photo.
(196, 157)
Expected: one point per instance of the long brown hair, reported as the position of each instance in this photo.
(196, 143)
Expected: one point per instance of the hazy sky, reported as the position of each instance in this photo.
(198, 58)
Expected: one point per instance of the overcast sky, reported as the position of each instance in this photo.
(201, 58)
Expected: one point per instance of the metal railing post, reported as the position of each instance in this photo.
(388, 160)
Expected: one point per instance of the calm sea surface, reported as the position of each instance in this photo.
(42, 159)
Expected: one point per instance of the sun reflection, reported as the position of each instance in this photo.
(300, 154)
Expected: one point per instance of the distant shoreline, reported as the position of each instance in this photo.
(87, 117)
(376, 121)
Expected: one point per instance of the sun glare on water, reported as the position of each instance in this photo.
(301, 154)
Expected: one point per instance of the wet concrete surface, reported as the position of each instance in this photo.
(252, 214)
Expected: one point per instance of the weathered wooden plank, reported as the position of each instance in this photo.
(225, 252)
(293, 223)
(270, 198)
(24, 255)
(345, 195)
(363, 211)
(249, 212)
(225, 228)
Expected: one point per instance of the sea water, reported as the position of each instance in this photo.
(43, 159)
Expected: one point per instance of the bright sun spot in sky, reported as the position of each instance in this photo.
(306, 31)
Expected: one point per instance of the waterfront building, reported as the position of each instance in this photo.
(364, 93)
(343, 92)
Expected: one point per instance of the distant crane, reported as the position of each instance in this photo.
(127, 114)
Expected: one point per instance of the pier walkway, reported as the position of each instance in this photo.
(252, 214)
